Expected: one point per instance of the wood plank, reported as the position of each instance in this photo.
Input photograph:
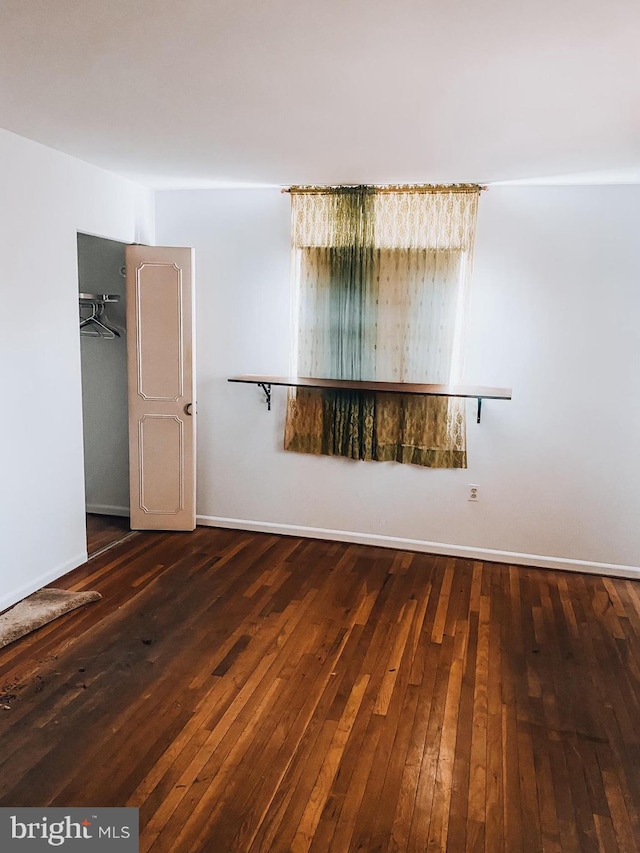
(104, 531)
(425, 390)
(262, 694)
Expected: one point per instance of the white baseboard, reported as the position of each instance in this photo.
(464, 551)
(18, 594)
(106, 509)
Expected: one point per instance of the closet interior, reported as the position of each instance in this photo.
(102, 329)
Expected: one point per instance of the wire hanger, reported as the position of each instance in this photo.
(96, 324)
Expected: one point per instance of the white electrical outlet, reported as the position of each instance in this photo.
(474, 492)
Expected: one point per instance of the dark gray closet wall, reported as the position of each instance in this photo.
(104, 381)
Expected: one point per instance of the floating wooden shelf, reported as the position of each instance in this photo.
(476, 392)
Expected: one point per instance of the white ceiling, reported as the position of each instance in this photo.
(207, 92)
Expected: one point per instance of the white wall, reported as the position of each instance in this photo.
(46, 198)
(555, 313)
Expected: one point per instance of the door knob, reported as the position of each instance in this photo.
(188, 409)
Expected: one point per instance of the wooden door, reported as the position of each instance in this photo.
(161, 378)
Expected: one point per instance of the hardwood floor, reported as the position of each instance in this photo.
(251, 692)
(104, 531)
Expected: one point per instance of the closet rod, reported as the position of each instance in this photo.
(99, 297)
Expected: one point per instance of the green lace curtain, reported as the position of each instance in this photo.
(381, 293)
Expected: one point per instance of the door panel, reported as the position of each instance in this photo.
(160, 350)
(162, 486)
(160, 333)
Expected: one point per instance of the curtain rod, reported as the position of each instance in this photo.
(391, 188)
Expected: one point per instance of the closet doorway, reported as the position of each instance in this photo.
(101, 304)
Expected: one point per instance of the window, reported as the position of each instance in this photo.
(382, 283)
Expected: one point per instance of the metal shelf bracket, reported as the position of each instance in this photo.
(267, 393)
